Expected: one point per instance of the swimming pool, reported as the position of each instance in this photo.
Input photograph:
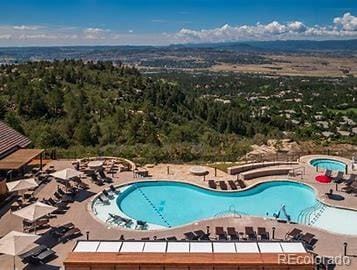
(164, 204)
(328, 164)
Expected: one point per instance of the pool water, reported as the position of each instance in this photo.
(164, 204)
(328, 164)
(171, 204)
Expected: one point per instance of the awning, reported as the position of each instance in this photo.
(155, 247)
(20, 158)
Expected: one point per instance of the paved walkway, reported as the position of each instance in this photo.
(328, 244)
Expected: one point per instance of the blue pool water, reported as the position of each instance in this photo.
(328, 164)
(171, 204)
(165, 204)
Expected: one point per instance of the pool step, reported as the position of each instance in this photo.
(310, 215)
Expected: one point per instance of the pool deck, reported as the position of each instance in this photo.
(328, 243)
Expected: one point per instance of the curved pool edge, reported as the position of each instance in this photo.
(316, 192)
(308, 158)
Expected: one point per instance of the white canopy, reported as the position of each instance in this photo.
(204, 247)
(270, 247)
(151, 247)
(178, 247)
(132, 247)
(109, 247)
(66, 174)
(20, 185)
(89, 246)
(224, 247)
(14, 243)
(35, 211)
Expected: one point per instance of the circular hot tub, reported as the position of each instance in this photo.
(329, 164)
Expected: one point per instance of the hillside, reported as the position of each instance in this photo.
(98, 108)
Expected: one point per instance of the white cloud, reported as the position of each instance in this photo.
(342, 27)
(95, 30)
(348, 22)
(26, 27)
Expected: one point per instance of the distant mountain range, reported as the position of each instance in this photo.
(13, 54)
(282, 45)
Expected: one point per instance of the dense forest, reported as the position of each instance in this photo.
(104, 109)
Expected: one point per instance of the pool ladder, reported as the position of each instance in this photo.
(153, 206)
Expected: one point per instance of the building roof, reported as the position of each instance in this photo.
(10, 140)
(20, 158)
(163, 253)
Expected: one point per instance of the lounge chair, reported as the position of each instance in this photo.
(107, 194)
(63, 198)
(309, 240)
(82, 185)
(38, 254)
(328, 173)
(223, 185)
(36, 225)
(58, 204)
(113, 189)
(350, 180)
(251, 235)
(70, 234)
(141, 225)
(57, 195)
(311, 245)
(32, 252)
(212, 184)
(103, 177)
(350, 189)
(221, 233)
(201, 235)
(103, 200)
(233, 234)
(295, 234)
(120, 220)
(190, 236)
(339, 177)
(232, 185)
(58, 232)
(241, 183)
(95, 179)
(307, 237)
(43, 257)
(264, 235)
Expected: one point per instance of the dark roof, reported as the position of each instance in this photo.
(19, 158)
(11, 140)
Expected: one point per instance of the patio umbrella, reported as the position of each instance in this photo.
(35, 211)
(66, 174)
(21, 185)
(15, 243)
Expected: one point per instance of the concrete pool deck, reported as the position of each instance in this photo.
(328, 243)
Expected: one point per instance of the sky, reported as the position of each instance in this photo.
(161, 22)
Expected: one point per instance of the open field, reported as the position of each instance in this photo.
(297, 65)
